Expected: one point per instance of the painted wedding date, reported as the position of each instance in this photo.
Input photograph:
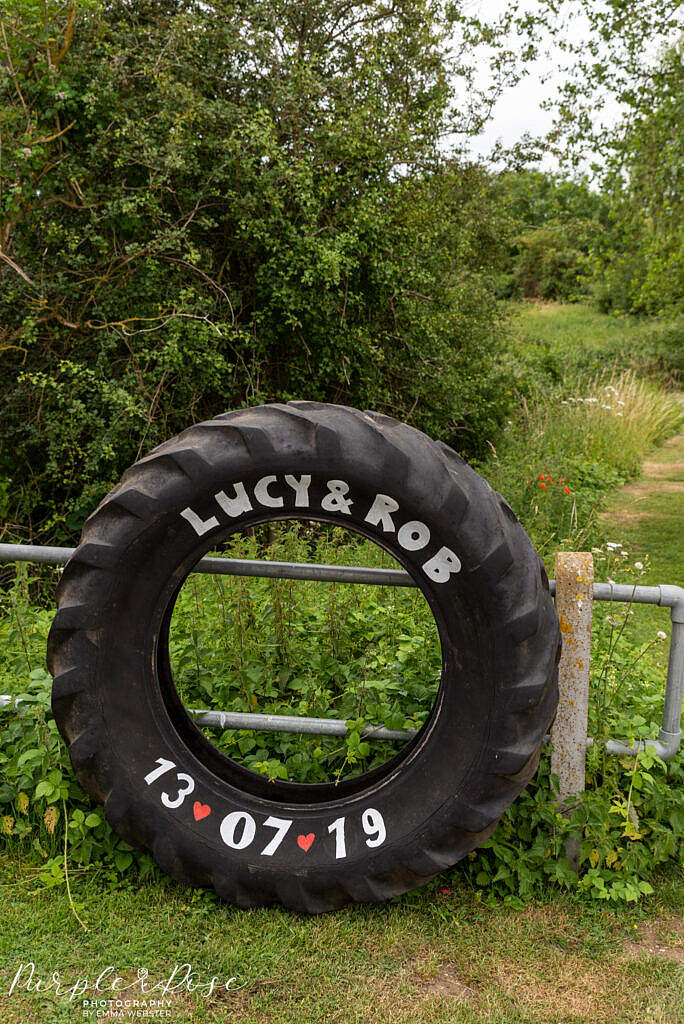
(239, 829)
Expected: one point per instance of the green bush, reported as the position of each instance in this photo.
(245, 207)
(548, 265)
(368, 655)
(630, 818)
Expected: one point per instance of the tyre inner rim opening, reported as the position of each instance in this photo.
(368, 655)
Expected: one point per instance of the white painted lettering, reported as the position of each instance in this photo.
(334, 500)
(263, 497)
(414, 535)
(237, 505)
(379, 513)
(300, 487)
(200, 526)
(442, 565)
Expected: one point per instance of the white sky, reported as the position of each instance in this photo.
(519, 110)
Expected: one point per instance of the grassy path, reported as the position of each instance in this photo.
(646, 516)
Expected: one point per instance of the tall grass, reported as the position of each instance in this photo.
(567, 448)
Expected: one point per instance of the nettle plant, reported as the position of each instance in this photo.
(365, 654)
(368, 655)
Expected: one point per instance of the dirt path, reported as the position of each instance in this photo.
(647, 517)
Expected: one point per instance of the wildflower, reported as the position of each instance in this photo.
(613, 544)
(561, 480)
(563, 402)
(638, 565)
(620, 403)
(609, 387)
(661, 635)
(567, 490)
(606, 406)
(542, 484)
(446, 892)
(541, 476)
(618, 414)
(593, 401)
(612, 582)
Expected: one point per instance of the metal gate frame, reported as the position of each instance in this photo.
(666, 595)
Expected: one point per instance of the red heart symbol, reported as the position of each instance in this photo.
(304, 842)
(200, 810)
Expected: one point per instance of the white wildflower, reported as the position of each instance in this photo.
(661, 635)
(592, 400)
(606, 406)
(638, 565)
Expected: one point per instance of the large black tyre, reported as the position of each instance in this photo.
(116, 706)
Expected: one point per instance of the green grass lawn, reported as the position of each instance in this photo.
(437, 955)
(580, 336)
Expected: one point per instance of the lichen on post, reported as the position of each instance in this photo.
(574, 605)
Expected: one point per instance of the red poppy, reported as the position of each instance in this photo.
(561, 480)
(542, 484)
(541, 476)
(567, 490)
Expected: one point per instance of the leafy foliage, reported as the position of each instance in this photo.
(630, 817)
(555, 226)
(569, 444)
(38, 791)
(217, 204)
(368, 655)
(627, 58)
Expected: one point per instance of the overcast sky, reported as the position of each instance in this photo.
(519, 109)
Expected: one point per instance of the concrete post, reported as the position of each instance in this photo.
(574, 604)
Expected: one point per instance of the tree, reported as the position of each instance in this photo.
(218, 203)
(621, 110)
(643, 267)
(555, 227)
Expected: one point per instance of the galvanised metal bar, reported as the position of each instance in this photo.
(224, 720)
(292, 723)
(239, 567)
(665, 595)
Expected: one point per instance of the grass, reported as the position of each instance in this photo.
(437, 955)
(646, 518)
(557, 339)
(569, 446)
